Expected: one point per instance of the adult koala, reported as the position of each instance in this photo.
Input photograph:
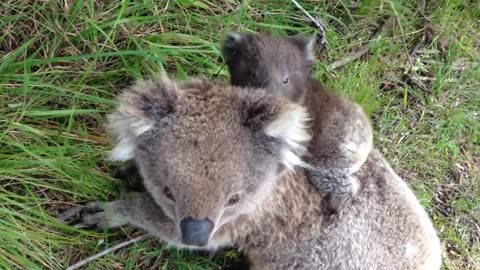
(218, 163)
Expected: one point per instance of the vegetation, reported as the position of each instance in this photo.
(63, 62)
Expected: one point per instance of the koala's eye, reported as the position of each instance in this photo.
(285, 80)
(233, 200)
(168, 194)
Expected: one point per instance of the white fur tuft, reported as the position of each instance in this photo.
(291, 127)
(127, 128)
(140, 127)
(290, 159)
(236, 36)
(122, 151)
(310, 49)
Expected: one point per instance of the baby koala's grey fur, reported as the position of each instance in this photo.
(199, 145)
(342, 134)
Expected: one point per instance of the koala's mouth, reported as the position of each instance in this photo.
(196, 232)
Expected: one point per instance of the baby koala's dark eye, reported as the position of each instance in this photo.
(233, 200)
(168, 194)
(285, 80)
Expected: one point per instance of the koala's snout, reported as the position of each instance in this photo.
(196, 231)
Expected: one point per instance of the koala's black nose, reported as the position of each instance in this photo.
(196, 231)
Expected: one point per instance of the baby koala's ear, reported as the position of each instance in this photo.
(233, 43)
(139, 107)
(307, 45)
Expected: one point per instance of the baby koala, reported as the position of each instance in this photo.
(342, 134)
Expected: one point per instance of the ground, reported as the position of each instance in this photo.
(63, 62)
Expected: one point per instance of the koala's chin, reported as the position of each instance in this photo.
(199, 233)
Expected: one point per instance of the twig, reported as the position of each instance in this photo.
(420, 8)
(349, 58)
(364, 49)
(321, 36)
(416, 80)
(411, 76)
(106, 251)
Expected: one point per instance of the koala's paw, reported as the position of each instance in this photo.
(335, 183)
(345, 184)
(93, 215)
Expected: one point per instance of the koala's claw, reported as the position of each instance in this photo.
(97, 220)
(90, 215)
(344, 184)
(334, 182)
(69, 215)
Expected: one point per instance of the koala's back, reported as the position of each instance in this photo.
(383, 227)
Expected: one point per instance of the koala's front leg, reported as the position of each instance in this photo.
(137, 209)
(339, 150)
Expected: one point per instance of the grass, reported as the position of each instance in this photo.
(63, 62)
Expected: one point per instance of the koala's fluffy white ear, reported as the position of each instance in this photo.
(307, 45)
(233, 42)
(290, 126)
(138, 109)
(125, 128)
(235, 36)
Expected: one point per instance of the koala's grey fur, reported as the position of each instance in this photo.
(206, 142)
(342, 133)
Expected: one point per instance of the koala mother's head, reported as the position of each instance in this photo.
(207, 153)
